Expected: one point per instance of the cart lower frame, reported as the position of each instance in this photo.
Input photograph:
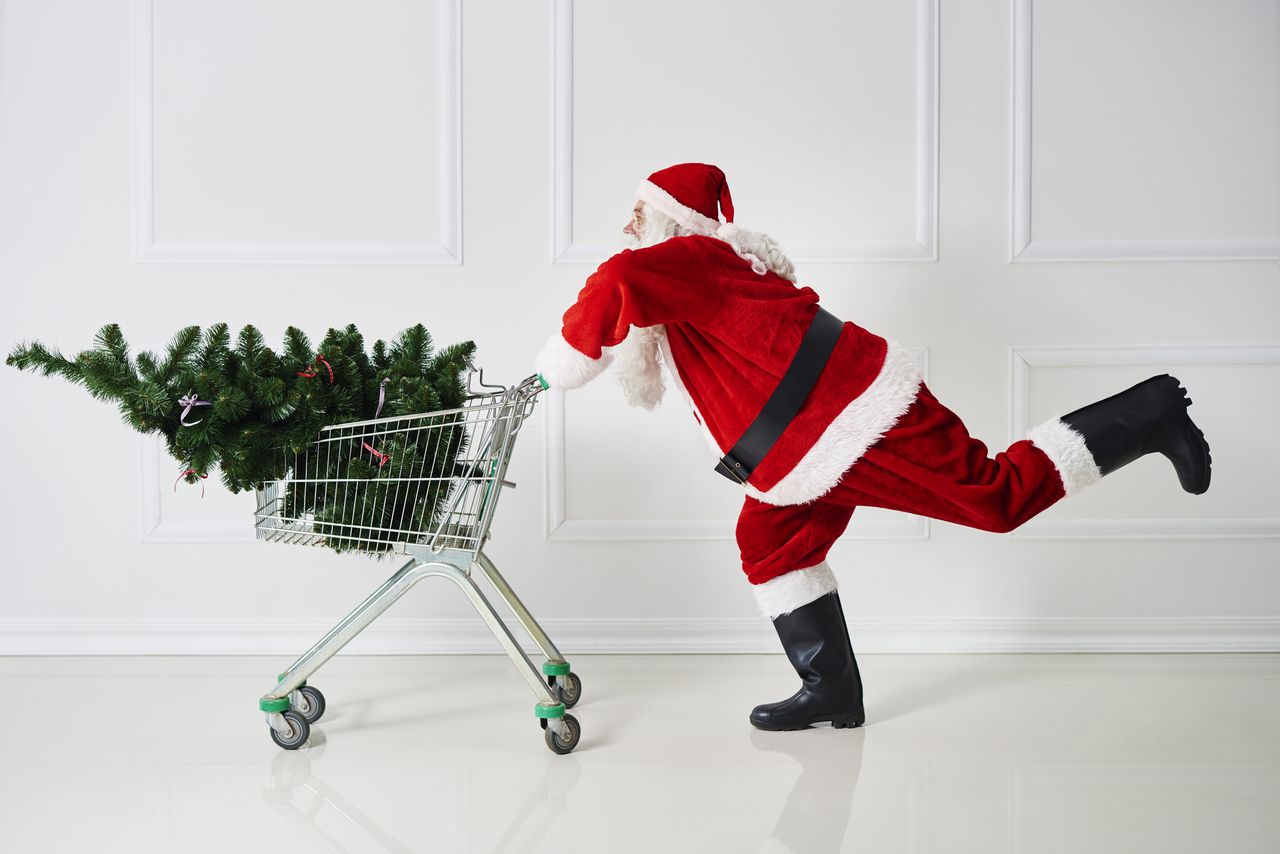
(553, 683)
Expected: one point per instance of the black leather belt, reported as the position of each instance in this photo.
(785, 402)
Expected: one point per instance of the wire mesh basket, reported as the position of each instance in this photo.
(377, 486)
(424, 485)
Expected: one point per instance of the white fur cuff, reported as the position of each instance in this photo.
(793, 589)
(1065, 446)
(563, 366)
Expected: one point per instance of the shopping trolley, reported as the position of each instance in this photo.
(426, 487)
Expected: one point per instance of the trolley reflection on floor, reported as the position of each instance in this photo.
(305, 800)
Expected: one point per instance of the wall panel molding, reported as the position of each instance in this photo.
(446, 250)
(154, 528)
(1023, 359)
(565, 250)
(1023, 248)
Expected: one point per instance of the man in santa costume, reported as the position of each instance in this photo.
(722, 306)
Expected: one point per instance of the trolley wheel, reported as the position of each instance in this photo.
(312, 706)
(299, 731)
(569, 688)
(564, 743)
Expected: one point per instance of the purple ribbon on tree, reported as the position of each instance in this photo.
(382, 398)
(189, 401)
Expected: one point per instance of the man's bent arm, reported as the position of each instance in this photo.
(665, 283)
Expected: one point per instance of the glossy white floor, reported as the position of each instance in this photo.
(1033, 753)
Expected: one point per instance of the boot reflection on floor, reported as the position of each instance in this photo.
(816, 813)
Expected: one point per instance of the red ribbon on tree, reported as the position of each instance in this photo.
(311, 373)
(382, 458)
(203, 478)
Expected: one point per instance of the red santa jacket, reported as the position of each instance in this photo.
(730, 335)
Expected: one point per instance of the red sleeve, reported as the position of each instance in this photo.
(666, 283)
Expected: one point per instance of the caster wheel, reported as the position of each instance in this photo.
(312, 705)
(569, 740)
(299, 731)
(569, 687)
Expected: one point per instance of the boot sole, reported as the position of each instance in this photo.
(843, 721)
(1189, 445)
(1198, 447)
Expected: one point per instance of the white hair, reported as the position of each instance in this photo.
(660, 227)
(636, 362)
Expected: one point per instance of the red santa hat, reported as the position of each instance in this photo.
(690, 193)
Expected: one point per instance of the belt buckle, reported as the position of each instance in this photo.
(732, 469)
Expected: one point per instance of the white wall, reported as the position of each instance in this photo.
(1051, 200)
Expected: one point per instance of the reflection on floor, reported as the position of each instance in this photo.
(441, 754)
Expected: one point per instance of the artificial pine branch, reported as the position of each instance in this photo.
(178, 353)
(264, 408)
(35, 356)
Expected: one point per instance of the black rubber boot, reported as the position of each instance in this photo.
(816, 640)
(1150, 417)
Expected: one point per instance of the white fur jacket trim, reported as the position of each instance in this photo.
(858, 426)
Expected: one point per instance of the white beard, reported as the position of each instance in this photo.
(637, 367)
(636, 362)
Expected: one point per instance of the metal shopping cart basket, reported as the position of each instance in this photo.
(437, 482)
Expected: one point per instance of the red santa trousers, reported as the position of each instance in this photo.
(926, 464)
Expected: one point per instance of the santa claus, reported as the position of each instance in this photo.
(737, 335)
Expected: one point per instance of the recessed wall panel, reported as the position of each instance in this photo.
(293, 131)
(1152, 122)
(822, 143)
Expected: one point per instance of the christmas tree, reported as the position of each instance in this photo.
(256, 416)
